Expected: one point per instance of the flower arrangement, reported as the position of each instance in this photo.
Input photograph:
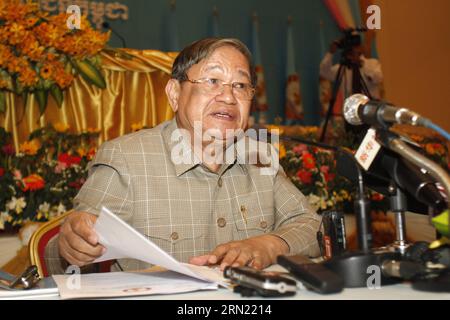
(41, 180)
(313, 172)
(39, 54)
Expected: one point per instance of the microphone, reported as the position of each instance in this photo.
(419, 186)
(359, 109)
(106, 25)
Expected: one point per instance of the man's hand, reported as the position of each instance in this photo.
(78, 242)
(257, 252)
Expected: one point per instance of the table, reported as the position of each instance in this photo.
(401, 291)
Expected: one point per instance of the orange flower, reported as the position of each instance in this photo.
(92, 130)
(15, 64)
(136, 126)
(4, 83)
(46, 71)
(15, 11)
(281, 150)
(62, 78)
(61, 127)
(81, 152)
(91, 153)
(31, 47)
(51, 57)
(30, 22)
(27, 76)
(33, 182)
(429, 147)
(30, 147)
(16, 32)
(5, 54)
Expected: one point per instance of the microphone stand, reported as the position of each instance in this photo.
(353, 267)
(440, 283)
(397, 145)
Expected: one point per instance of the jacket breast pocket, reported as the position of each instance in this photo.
(182, 242)
(254, 215)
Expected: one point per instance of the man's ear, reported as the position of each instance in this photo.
(173, 93)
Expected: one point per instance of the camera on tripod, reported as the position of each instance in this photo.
(351, 39)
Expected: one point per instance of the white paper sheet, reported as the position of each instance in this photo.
(121, 284)
(31, 293)
(122, 241)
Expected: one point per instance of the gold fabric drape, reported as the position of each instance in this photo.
(135, 82)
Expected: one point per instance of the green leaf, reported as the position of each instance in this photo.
(18, 87)
(41, 97)
(90, 73)
(2, 101)
(440, 222)
(57, 94)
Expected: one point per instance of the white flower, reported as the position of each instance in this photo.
(3, 218)
(44, 208)
(314, 201)
(61, 209)
(16, 204)
(57, 211)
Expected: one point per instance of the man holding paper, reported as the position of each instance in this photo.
(189, 184)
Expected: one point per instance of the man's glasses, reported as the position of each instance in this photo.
(241, 90)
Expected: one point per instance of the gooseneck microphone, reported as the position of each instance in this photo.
(106, 25)
(359, 109)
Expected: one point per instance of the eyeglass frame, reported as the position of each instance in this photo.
(223, 83)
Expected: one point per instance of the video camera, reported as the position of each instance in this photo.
(350, 39)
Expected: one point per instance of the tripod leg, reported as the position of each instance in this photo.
(336, 86)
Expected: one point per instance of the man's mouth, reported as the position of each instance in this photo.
(223, 115)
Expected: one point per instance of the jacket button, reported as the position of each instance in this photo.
(220, 182)
(174, 236)
(221, 222)
(263, 224)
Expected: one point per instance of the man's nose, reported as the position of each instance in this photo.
(227, 94)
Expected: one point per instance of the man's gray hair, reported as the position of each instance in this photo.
(201, 49)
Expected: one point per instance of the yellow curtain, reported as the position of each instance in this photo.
(135, 82)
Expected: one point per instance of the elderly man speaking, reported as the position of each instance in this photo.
(202, 211)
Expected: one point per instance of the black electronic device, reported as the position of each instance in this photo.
(250, 282)
(334, 242)
(314, 276)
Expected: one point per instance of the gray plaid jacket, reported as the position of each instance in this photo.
(186, 209)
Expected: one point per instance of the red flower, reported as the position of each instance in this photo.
(329, 176)
(299, 149)
(33, 182)
(76, 184)
(2, 171)
(68, 160)
(308, 161)
(377, 197)
(91, 154)
(324, 169)
(8, 149)
(305, 176)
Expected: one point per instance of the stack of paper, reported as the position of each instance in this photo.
(122, 241)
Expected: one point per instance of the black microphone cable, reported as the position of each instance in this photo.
(106, 25)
